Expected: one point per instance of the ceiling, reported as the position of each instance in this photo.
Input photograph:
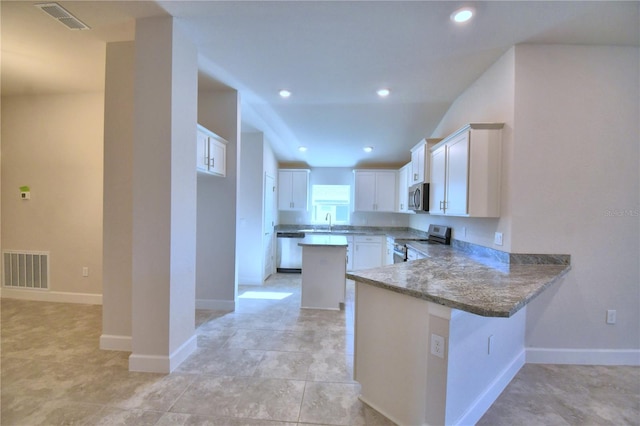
(332, 55)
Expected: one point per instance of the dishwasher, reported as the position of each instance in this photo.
(289, 253)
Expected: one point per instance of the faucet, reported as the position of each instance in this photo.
(328, 217)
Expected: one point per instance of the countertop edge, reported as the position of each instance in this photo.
(474, 309)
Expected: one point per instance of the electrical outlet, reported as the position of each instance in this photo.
(611, 316)
(464, 231)
(85, 271)
(437, 345)
(497, 239)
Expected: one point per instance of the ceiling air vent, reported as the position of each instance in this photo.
(61, 15)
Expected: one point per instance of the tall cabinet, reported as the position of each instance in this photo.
(465, 172)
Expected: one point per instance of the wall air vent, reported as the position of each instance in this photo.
(28, 270)
(61, 15)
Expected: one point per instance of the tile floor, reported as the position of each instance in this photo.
(267, 363)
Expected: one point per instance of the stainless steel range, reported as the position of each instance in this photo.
(438, 234)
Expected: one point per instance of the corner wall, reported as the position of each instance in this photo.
(54, 145)
(216, 266)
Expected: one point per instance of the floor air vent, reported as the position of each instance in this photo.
(26, 269)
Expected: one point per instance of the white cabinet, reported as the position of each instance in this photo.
(350, 251)
(420, 161)
(375, 190)
(465, 172)
(211, 152)
(367, 251)
(293, 189)
(403, 188)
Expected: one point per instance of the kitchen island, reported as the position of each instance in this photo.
(438, 339)
(324, 264)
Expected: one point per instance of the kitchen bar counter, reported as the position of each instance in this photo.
(474, 284)
(438, 339)
(324, 264)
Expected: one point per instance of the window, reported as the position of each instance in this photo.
(330, 201)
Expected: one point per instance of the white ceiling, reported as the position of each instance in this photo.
(333, 56)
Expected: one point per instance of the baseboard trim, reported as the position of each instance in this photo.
(161, 363)
(491, 394)
(216, 305)
(112, 342)
(52, 296)
(583, 356)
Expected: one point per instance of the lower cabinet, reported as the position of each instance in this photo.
(367, 251)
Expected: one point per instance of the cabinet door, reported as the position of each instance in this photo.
(385, 191)
(417, 165)
(217, 160)
(438, 178)
(299, 190)
(457, 175)
(285, 183)
(367, 255)
(202, 151)
(403, 188)
(365, 191)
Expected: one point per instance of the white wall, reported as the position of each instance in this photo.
(164, 197)
(577, 192)
(118, 196)
(54, 145)
(216, 268)
(489, 99)
(342, 176)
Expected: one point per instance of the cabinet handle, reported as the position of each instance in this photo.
(441, 207)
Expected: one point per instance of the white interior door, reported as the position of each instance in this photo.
(269, 222)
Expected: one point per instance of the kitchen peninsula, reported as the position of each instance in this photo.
(438, 339)
(324, 264)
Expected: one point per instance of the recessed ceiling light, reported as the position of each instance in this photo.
(284, 93)
(368, 148)
(383, 93)
(462, 15)
(302, 148)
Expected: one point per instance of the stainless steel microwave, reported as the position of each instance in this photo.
(419, 197)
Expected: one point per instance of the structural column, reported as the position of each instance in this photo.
(164, 197)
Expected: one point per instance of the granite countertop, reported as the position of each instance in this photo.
(326, 240)
(395, 233)
(476, 284)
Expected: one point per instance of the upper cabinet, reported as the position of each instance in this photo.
(293, 189)
(375, 190)
(420, 161)
(465, 172)
(403, 188)
(212, 153)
